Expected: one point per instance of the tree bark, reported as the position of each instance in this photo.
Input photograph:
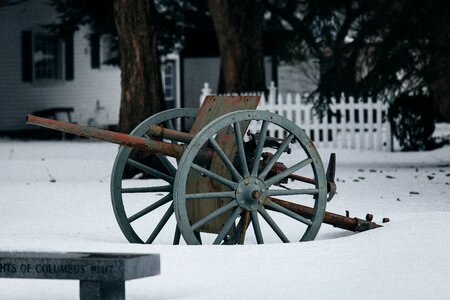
(142, 94)
(439, 69)
(440, 88)
(239, 29)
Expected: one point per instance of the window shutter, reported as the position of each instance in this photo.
(27, 56)
(69, 58)
(95, 51)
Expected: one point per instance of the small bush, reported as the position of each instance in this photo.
(412, 122)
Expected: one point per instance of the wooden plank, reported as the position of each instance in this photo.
(212, 108)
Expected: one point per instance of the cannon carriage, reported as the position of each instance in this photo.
(233, 175)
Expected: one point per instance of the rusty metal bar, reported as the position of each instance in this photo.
(174, 135)
(152, 146)
(343, 222)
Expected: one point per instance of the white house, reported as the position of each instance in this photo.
(38, 72)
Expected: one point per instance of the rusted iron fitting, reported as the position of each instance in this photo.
(363, 225)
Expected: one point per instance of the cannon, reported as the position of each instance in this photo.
(210, 174)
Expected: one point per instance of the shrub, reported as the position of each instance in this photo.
(412, 122)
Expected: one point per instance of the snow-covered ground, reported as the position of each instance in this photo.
(54, 196)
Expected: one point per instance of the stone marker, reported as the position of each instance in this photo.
(101, 275)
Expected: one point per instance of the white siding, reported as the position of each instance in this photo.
(300, 78)
(18, 98)
(195, 72)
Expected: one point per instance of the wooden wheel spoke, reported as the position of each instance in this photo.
(150, 189)
(198, 236)
(172, 170)
(289, 213)
(273, 225)
(161, 224)
(214, 214)
(227, 226)
(292, 192)
(240, 149)
(276, 156)
(177, 236)
(225, 159)
(280, 176)
(257, 227)
(150, 171)
(211, 195)
(170, 124)
(215, 176)
(151, 208)
(163, 159)
(259, 147)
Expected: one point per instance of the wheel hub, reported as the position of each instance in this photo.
(250, 193)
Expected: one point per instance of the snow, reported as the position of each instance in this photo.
(54, 196)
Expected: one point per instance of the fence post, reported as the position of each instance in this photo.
(352, 123)
(370, 121)
(361, 124)
(325, 127)
(307, 112)
(272, 90)
(387, 130)
(389, 135)
(379, 110)
(296, 104)
(334, 129)
(206, 90)
(342, 113)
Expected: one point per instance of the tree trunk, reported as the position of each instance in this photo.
(440, 88)
(142, 94)
(439, 70)
(239, 29)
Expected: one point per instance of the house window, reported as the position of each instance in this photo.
(104, 51)
(47, 57)
(169, 80)
(108, 49)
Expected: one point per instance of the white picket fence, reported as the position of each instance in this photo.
(355, 124)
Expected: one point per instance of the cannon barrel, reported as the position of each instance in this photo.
(339, 221)
(153, 146)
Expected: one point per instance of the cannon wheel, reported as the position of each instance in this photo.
(126, 199)
(251, 187)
